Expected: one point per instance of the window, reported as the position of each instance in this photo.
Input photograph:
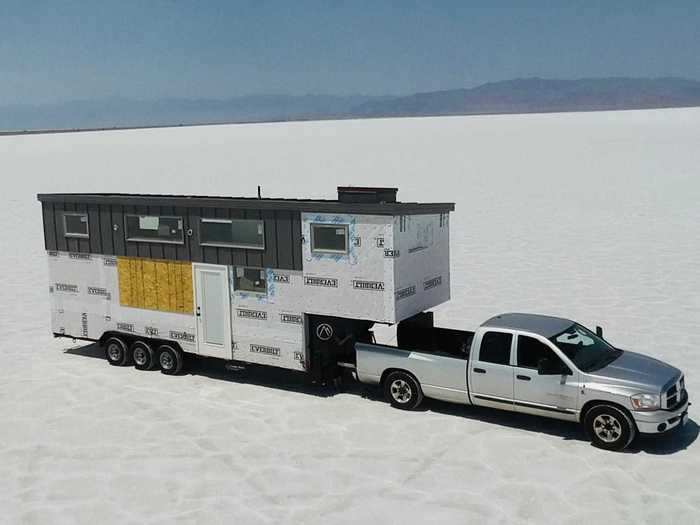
(330, 238)
(530, 351)
(234, 233)
(495, 348)
(152, 228)
(588, 351)
(250, 280)
(75, 225)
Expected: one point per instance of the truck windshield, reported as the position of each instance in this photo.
(588, 351)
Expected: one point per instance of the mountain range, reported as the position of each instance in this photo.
(526, 95)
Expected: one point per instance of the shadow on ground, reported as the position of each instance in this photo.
(281, 379)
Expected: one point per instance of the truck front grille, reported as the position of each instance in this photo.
(675, 396)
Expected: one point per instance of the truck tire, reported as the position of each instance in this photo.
(142, 355)
(116, 351)
(402, 390)
(170, 359)
(609, 427)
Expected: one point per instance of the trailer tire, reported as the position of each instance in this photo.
(116, 351)
(609, 427)
(402, 390)
(142, 355)
(170, 359)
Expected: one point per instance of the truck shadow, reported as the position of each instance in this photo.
(281, 379)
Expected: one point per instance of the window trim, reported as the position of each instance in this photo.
(238, 290)
(513, 345)
(260, 222)
(145, 239)
(66, 233)
(346, 227)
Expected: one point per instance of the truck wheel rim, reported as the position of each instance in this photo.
(401, 391)
(140, 356)
(166, 361)
(607, 428)
(114, 352)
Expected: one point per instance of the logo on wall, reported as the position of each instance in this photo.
(380, 242)
(182, 336)
(52, 253)
(432, 283)
(84, 324)
(357, 241)
(368, 285)
(324, 331)
(280, 278)
(321, 281)
(151, 330)
(125, 327)
(251, 314)
(266, 350)
(110, 261)
(99, 291)
(392, 253)
(79, 256)
(403, 293)
(291, 318)
(69, 288)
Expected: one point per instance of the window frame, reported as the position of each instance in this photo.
(68, 234)
(543, 343)
(511, 351)
(345, 227)
(154, 240)
(260, 222)
(244, 268)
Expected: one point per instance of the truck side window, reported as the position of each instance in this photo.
(495, 348)
(530, 351)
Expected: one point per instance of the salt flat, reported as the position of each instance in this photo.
(593, 216)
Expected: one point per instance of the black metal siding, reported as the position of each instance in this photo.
(106, 223)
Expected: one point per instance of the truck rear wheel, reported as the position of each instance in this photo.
(402, 391)
(609, 427)
(143, 355)
(116, 351)
(170, 359)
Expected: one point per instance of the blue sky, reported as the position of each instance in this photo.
(68, 49)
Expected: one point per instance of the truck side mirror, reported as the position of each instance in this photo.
(599, 331)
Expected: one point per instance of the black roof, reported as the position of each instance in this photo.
(303, 205)
(543, 325)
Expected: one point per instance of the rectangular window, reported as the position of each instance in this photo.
(530, 351)
(495, 348)
(154, 228)
(250, 280)
(75, 225)
(232, 233)
(329, 238)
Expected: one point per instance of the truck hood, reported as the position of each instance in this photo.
(633, 369)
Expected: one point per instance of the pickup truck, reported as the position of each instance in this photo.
(536, 364)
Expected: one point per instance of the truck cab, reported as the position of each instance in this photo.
(535, 364)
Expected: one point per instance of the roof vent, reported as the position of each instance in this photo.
(366, 195)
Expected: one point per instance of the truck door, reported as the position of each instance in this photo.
(552, 395)
(491, 373)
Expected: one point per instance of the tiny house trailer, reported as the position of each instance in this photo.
(292, 283)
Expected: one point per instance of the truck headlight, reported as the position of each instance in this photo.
(646, 401)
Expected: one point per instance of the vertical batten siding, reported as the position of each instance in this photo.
(282, 235)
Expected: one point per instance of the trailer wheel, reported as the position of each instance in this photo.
(609, 427)
(116, 351)
(402, 391)
(142, 355)
(170, 360)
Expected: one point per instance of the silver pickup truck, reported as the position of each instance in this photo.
(535, 364)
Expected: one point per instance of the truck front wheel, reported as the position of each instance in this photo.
(402, 391)
(609, 427)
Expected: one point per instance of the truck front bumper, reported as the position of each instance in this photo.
(660, 421)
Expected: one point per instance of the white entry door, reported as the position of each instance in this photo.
(212, 310)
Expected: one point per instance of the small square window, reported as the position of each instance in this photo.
(250, 280)
(75, 225)
(329, 238)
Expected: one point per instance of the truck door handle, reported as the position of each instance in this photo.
(523, 378)
(479, 370)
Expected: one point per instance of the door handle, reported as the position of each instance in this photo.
(523, 378)
(479, 370)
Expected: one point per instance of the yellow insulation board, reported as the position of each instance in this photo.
(155, 284)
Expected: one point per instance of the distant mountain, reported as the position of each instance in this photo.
(525, 95)
(530, 95)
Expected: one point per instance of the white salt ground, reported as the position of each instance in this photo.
(593, 216)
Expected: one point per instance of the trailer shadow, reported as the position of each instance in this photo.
(678, 439)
